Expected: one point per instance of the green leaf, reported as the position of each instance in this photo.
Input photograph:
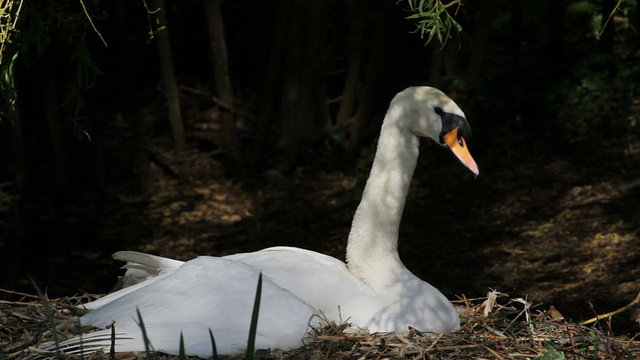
(552, 353)
(213, 346)
(181, 353)
(49, 313)
(253, 329)
(433, 19)
(148, 348)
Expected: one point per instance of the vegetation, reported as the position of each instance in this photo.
(493, 327)
(9, 15)
(434, 20)
(281, 103)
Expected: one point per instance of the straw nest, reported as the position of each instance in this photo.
(495, 327)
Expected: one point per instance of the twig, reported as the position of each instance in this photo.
(493, 352)
(609, 18)
(19, 293)
(11, 26)
(156, 150)
(610, 314)
(26, 303)
(434, 342)
(222, 104)
(91, 22)
(457, 3)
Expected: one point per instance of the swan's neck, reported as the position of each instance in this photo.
(372, 250)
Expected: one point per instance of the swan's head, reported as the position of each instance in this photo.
(428, 112)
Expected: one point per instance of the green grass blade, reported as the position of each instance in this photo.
(552, 352)
(147, 344)
(251, 344)
(49, 313)
(181, 354)
(112, 347)
(213, 346)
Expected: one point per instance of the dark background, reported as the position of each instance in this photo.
(89, 163)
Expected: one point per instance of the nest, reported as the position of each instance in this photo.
(495, 327)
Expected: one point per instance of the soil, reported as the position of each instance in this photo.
(558, 230)
(556, 224)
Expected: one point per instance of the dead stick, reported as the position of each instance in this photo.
(610, 314)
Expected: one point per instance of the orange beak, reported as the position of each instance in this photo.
(458, 147)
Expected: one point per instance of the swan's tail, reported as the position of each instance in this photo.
(141, 266)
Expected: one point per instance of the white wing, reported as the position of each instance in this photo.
(204, 293)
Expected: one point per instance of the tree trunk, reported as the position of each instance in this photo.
(354, 58)
(142, 161)
(97, 150)
(482, 27)
(516, 33)
(170, 87)
(273, 73)
(556, 27)
(52, 114)
(218, 45)
(18, 147)
(637, 23)
(127, 104)
(302, 70)
(436, 63)
(16, 247)
(379, 48)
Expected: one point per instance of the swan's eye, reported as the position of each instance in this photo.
(460, 140)
(438, 110)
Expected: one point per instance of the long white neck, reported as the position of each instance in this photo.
(372, 250)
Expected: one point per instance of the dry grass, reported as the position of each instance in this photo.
(496, 327)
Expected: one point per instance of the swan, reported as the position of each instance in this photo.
(373, 289)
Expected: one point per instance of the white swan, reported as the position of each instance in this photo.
(373, 290)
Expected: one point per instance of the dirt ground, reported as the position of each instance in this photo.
(554, 223)
(558, 230)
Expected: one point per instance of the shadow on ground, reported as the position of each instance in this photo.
(558, 228)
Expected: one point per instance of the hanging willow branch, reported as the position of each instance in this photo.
(434, 18)
(84, 8)
(8, 21)
(9, 14)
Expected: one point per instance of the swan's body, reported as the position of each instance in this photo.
(375, 290)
